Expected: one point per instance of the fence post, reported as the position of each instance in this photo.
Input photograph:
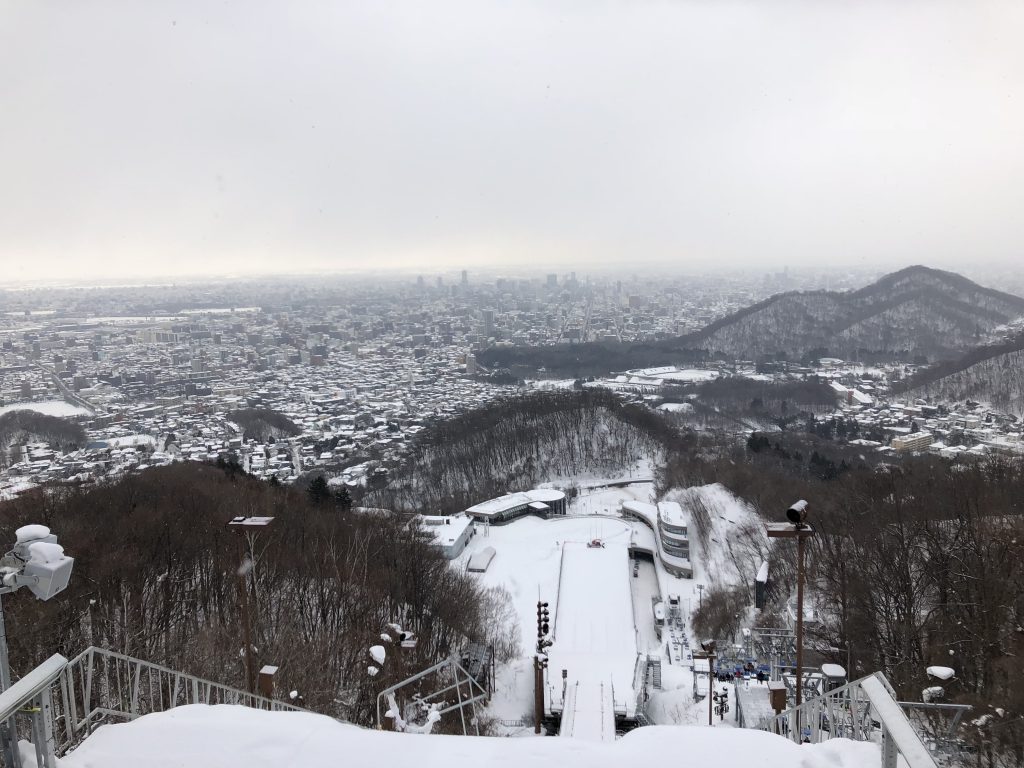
(889, 751)
(266, 681)
(46, 717)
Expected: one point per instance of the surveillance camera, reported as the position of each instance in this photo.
(797, 513)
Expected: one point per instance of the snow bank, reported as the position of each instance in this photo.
(237, 737)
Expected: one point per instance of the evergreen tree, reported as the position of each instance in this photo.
(343, 498)
(318, 490)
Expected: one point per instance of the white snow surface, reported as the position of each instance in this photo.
(45, 552)
(48, 408)
(942, 673)
(595, 640)
(31, 532)
(227, 736)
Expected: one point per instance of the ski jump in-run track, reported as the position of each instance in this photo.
(594, 642)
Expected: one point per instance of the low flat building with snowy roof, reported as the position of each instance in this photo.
(479, 561)
(545, 502)
(449, 533)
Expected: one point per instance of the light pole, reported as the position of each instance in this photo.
(38, 562)
(242, 525)
(800, 529)
(700, 596)
(540, 663)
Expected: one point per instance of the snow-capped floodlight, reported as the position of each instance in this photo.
(50, 569)
(38, 562)
(708, 646)
(797, 513)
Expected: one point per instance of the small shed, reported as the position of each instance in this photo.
(479, 561)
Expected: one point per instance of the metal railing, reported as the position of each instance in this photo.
(864, 710)
(100, 686)
(29, 700)
(60, 702)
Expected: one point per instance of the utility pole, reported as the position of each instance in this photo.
(241, 525)
(8, 732)
(799, 617)
(244, 566)
(800, 529)
(700, 596)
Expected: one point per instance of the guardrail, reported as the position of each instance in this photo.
(864, 710)
(99, 686)
(65, 701)
(30, 698)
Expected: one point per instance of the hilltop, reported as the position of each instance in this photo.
(913, 313)
(917, 311)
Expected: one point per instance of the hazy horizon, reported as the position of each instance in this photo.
(181, 138)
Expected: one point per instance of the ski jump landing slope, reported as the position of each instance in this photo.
(588, 712)
(594, 641)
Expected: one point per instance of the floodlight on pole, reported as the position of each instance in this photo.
(800, 529)
(796, 513)
(38, 562)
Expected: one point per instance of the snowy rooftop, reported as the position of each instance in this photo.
(513, 500)
(445, 529)
(671, 513)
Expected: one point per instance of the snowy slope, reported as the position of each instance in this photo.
(200, 736)
(595, 640)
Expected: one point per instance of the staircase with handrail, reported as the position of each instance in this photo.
(58, 704)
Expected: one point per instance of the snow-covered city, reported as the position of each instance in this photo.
(516, 384)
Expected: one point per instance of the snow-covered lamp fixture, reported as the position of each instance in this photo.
(37, 562)
(797, 513)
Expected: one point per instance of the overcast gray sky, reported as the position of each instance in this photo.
(172, 136)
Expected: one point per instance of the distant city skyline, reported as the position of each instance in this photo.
(183, 138)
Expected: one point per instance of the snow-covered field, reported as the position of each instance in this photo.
(48, 408)
(528, 554)
(690, 375)
(200, 736)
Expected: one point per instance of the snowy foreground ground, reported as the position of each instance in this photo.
(236, 737)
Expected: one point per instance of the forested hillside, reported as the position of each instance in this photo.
(25, 425)
(990, 374)
(263, 423)
(514, 444)
(911, 313)
(914, 313)
(155, 577)
(911, 565)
